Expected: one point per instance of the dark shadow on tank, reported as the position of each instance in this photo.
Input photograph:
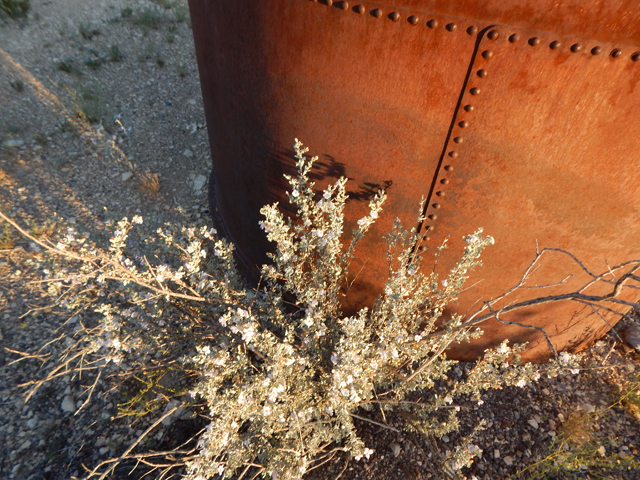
(325, 170)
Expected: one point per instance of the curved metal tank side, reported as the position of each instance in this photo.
(547, 153)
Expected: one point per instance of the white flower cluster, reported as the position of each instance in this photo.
(282, 370)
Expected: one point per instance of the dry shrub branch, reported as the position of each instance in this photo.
(284, 379)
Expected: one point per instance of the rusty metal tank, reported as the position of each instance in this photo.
(521, 117)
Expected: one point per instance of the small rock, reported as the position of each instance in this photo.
(1, 337)
(198, 182)
(31, 423)
(552, 424)
(25, 445)
(169, 420)
(588, 407)
(631, 336)
(395, 448)
(533, 423)
(496, 453)
(13, 143)
(508, 461)
(126, 176)
(188, 153)
(103, 450)
(68, 405)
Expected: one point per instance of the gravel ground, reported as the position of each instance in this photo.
(131, 66)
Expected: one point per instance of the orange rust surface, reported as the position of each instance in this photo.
(548, 153)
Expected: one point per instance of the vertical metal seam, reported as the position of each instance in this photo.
(422, 227)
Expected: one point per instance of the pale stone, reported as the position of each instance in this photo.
(68, 405)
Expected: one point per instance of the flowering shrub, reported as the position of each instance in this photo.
(284, 379)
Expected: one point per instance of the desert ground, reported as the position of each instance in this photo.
(101, 117)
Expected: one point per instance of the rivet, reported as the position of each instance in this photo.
(422, 248)
(555, 44)
(487, 54)
(342, 5)
(376, 12)
(463, 124)
(444, 181)
(514, 38)
(359, 9)
(458, 140)
(436, 205)
(395, 16)
(449, 168)
(533, 41)
(451, 27)
(413, 20)
(576, 47)
(616, 52)
(440, 194)
(635, 56)
(433, 23)
(453, 154)
(430, 228)
(474, 91)
(596, 50)
(468, 108)
(432, 217)
(328, 2)
(481, 73)
(493, 34)
(472, 30)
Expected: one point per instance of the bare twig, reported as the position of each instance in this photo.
(375, 423)
(116, 461)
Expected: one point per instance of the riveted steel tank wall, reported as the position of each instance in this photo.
(518, 118)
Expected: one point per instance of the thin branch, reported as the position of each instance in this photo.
(375, 423)
(116, 461)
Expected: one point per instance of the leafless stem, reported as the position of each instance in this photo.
(375, 423)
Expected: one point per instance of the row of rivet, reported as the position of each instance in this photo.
(472, 30)
(574, 48)
(395, 16)
(458, 139)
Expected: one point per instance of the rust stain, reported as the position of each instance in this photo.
(527, 128)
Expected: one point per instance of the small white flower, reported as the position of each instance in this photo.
(295, 193)
(206, 350)
(521, 383)
(445, 283)
(367, 454)
(575, 371)
(137, 219)
(448, 400)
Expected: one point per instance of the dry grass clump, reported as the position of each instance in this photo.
(149, 183)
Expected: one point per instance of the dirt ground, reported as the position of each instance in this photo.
(101, 117)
